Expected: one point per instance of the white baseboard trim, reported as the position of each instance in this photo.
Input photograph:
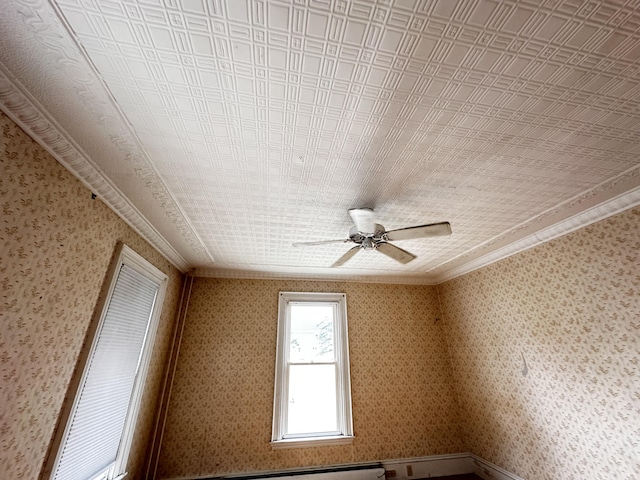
(428, 467)
(417, 468)
(489, 471)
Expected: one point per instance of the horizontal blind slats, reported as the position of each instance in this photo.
(100, 414)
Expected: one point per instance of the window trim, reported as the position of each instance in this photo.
(123, 255)
(279, 439)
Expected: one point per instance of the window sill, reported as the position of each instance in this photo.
(311, 442)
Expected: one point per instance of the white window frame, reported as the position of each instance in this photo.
(344, 435)
(117, 470)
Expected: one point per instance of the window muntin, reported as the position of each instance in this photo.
(312, 400)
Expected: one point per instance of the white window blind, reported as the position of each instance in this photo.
(102, 409)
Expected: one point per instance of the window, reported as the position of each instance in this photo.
(96, 430)
(312, 399)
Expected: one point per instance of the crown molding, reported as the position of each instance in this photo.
(592, 215)
(29, 115)
(315, 275)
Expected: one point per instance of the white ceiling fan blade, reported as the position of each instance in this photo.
(420, 231)
(394, 252)
(363, 219)
(349, 253)
(320, 242)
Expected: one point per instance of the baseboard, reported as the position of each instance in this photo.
(416, 468)
(428, 467)
(489, 471)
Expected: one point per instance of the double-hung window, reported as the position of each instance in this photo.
(94, 438)
(312, 399)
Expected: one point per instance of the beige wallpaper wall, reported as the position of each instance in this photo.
(220, 414)
(544, 346)
(55, 247)
(545, 350)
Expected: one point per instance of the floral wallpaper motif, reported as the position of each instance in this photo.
(545, 349)
(55, 247)
(541, 350)
(220, 413)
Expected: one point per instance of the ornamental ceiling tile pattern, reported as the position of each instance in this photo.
(238, 127)
(545, 349)
(220, 413)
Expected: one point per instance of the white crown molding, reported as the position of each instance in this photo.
(317, 275)
(599, 212)
(26, 112)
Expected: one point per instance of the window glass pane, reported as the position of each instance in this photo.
(312, 338)
(312, 399)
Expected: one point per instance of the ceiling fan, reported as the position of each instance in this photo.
(368, 235)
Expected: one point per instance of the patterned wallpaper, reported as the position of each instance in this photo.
(219, 418)
(55, 247)
(545, 349)
(544, 346)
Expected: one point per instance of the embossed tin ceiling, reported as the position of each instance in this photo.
(224, 131)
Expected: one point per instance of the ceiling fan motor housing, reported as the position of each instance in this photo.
(367, 240)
